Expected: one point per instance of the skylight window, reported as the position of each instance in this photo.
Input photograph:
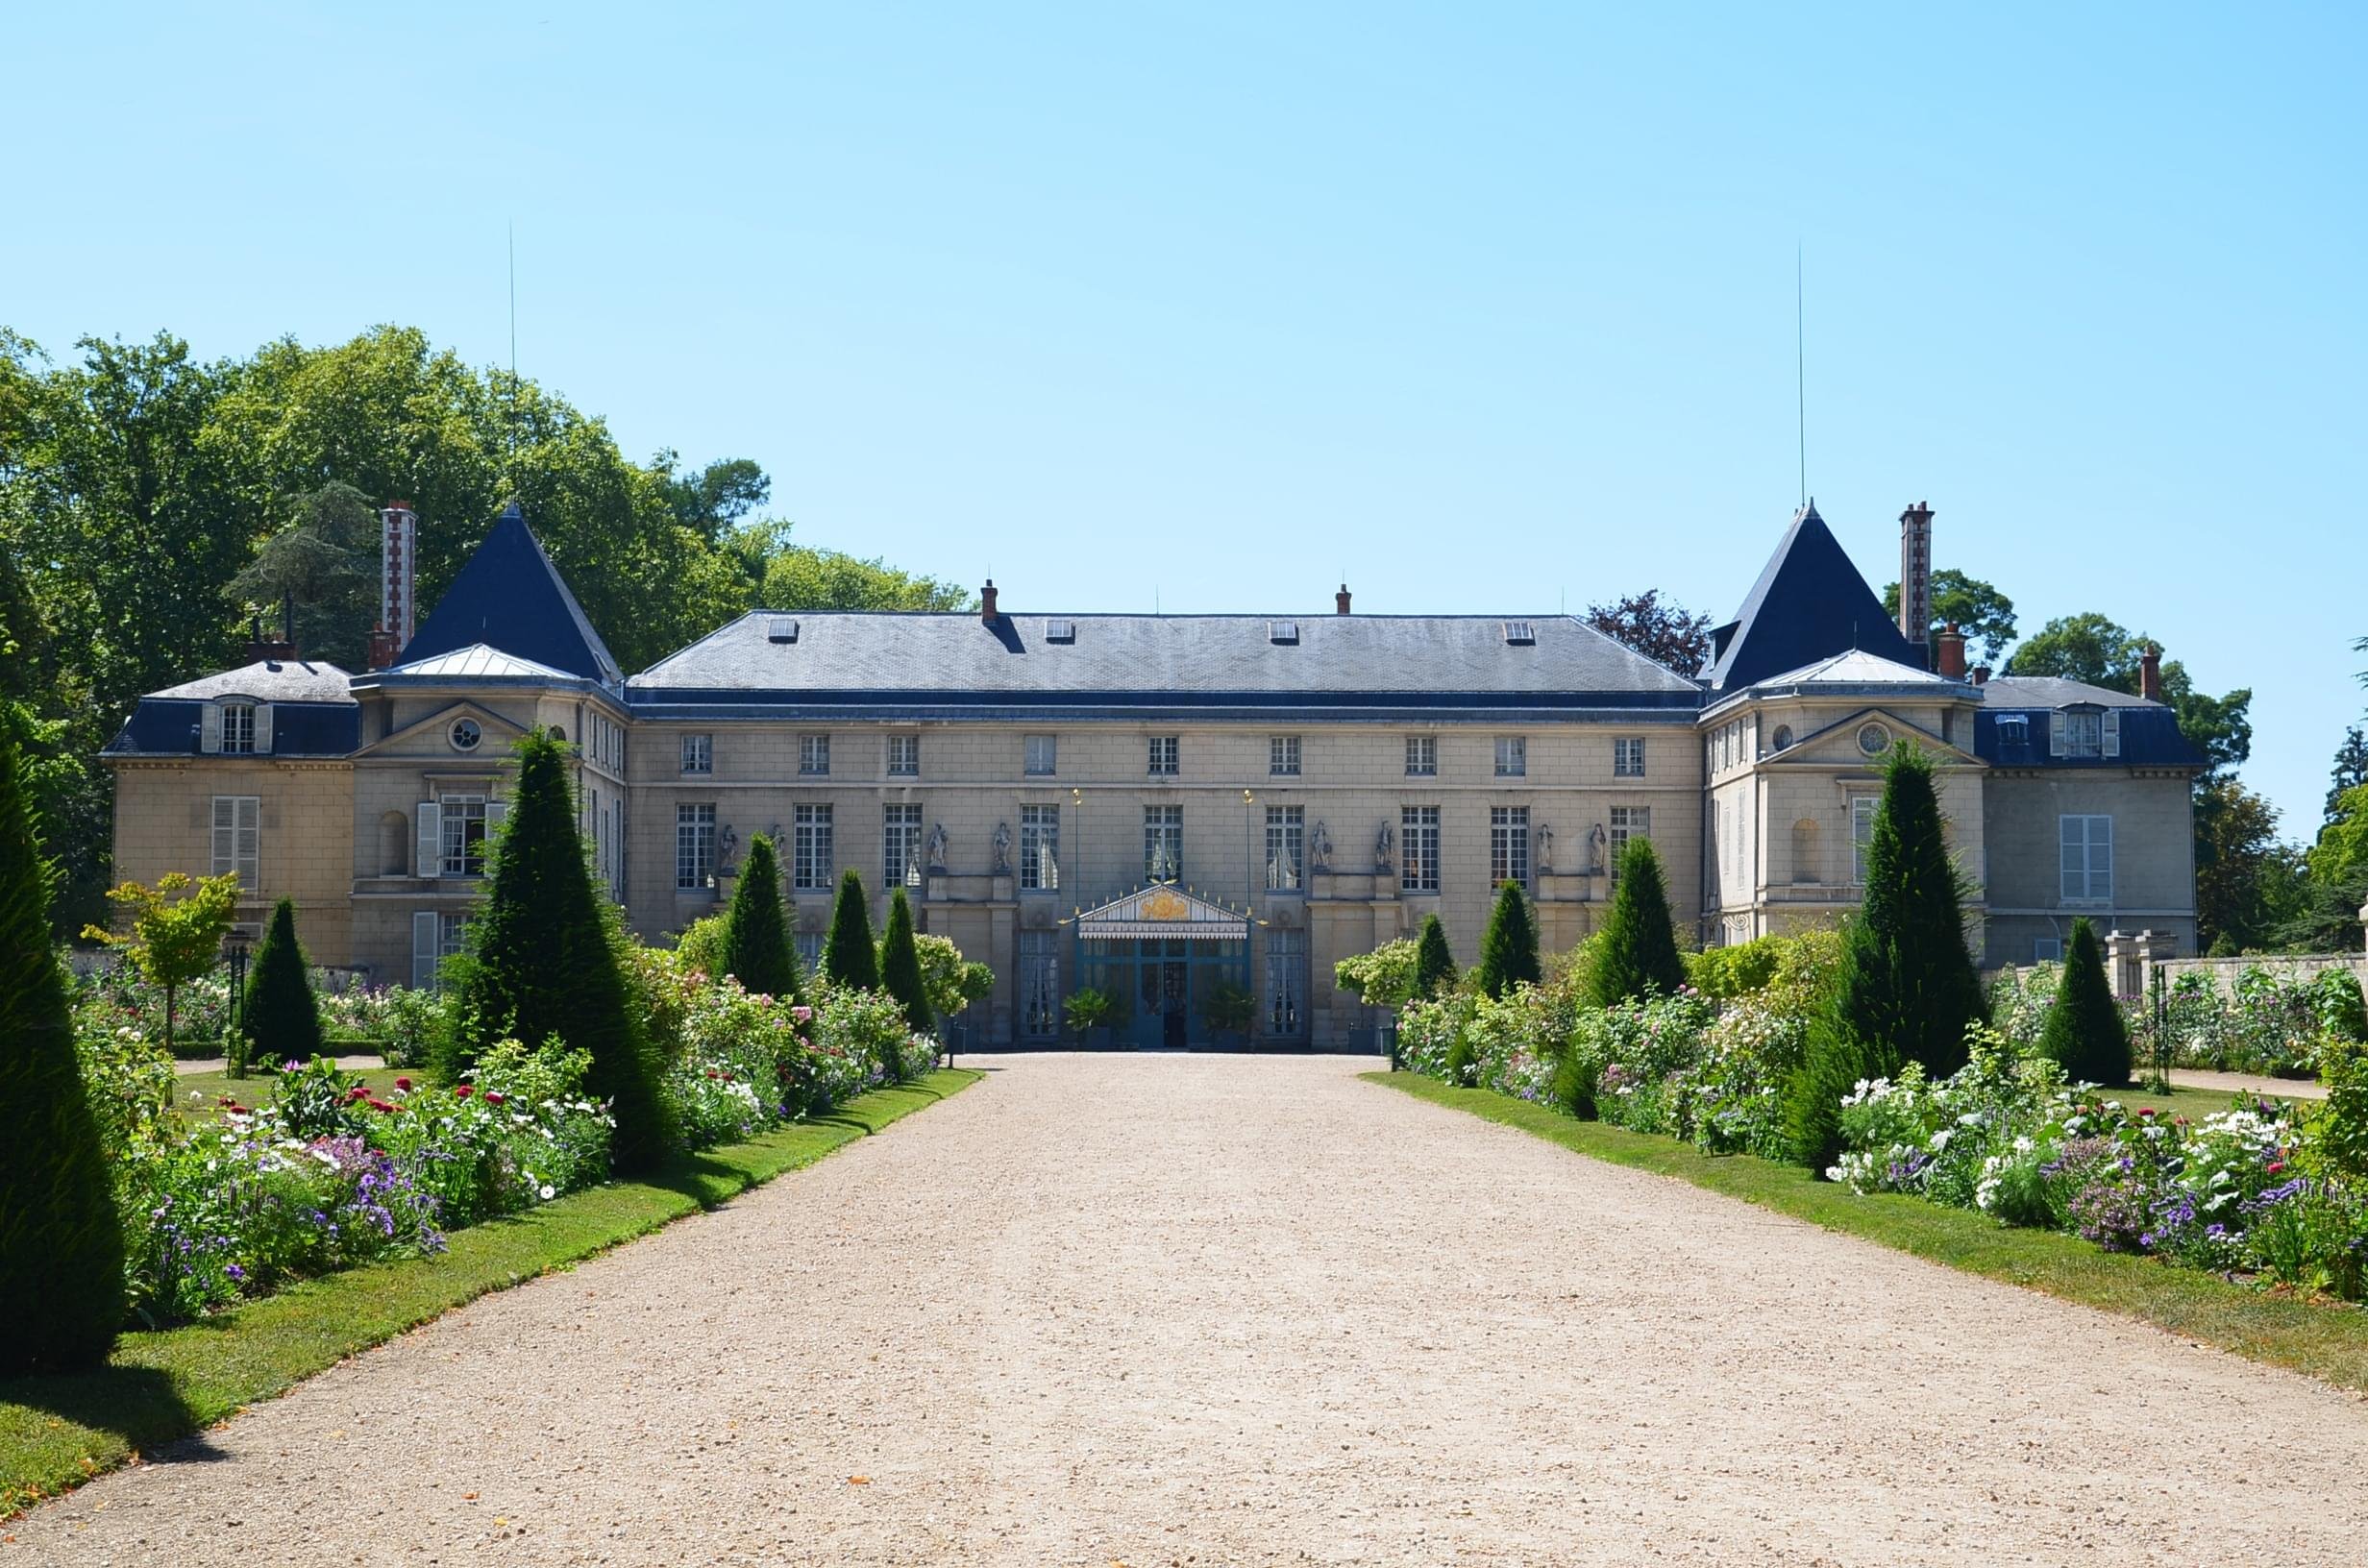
(1060, 632)
(781, 629)
(1521, 632)
(1282, 631)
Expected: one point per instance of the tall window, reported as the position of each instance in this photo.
(1044, 755)
(1039, 984)
(2074, 734)
(699, 753)
(238, 837)
(903, 755)
(2088, 859)
(900, 847)
(1283, 756)
(1417, 847)
(694, 845)
(1422, 756)
(1286, 843)
(1163, 842)
(238, 727)
(1627, 822)
(1628, 757)
(463, 848)
(814, 864)
(813, 754)
(1286, 998)
(1863, 809)
(1508, 845)
(1511, 756)
(1040, 848)
(1163, 758)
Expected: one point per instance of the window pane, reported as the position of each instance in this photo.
(815, 865)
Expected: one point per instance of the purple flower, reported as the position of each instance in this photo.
(236, 1272)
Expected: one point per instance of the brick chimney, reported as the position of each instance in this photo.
(2150, 673)
(1339, 601)
(398, 582)
(1952, 662)
(1916, 574)
(1981, 674)
(987, 611)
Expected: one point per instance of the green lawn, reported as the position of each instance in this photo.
(2326, 1339)
(201, 1093)
(58, 1431)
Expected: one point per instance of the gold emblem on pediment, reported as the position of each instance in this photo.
(1165, 905)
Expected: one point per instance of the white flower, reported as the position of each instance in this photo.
(549, 1192)
(1941, 1139)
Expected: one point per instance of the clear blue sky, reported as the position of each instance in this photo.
(1481, 308)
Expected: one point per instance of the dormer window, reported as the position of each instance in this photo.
(2084, 732)
(238, 729)
(2014, 729)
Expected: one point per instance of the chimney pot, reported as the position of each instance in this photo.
(1339, 601)
(1952, 662)
(2150, 673)
(986, 604)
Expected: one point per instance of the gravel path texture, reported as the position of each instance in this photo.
(1196, 1309)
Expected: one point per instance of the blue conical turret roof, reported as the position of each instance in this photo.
(510, 596)
(1810, 603)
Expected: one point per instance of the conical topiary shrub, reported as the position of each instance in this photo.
(2085, 1031)
(1910, 986)
(899, 974)
(1433, 964)
(850, 956)
(61, 1242)
(1637, 955)
(280, 1013)
(756, 947)
(542, 962)
(1509, 946)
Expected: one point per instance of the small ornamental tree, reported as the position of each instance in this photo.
(280, 1014)
(900, 972)
(1636, 955)
(850, 955)
(1433, 964)
(60, 1242)
(2084, 1030)
(177, 930)
(1909, 985)
(1509, 946)
(953, 982)
(542, 962)
(756, 947)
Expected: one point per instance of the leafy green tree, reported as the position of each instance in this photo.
(1908, 983)
(850, 955)
(542, 962)
(2084, 1030)
(1434, 965)
(1509, 946)
(953, 982)
(280, 1013)
(1635, 953)
(900, 972)
(176, 930)
(1384, 977)
(61, 1242)
(757, 951)
(2248, 885)
(798, 577)
(1978, 609)
(324, 562)
(2349, 773)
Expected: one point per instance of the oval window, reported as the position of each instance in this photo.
(1783, 737)
(1872, 739)
(465, 734)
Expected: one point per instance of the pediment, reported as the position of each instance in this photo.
(428, 737)
(1161, 909)
(1836, 744)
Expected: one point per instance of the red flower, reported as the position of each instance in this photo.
(403, 1083)
(2146, 1111)
(492, 1098)
(380, 1105)
(465, 1091)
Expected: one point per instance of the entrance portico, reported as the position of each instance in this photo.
(1163, 955)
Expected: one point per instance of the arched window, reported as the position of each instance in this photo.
(1805, 850)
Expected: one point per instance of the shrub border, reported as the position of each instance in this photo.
(58, 1431)
(2323, 1339)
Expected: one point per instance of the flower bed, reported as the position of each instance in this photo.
(320, 1173)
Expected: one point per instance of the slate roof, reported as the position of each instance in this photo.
(2055, 692)
(1809, 603)
(270, 680)
(168, 727)
(511, 598)
(1180, 661)
(2149, 734)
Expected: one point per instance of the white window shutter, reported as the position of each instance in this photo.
(210, 728)
(431, 839)
(262, 728)
(423, 949)
(2113, 732)
(2054, 733)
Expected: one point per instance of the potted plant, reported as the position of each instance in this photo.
(1228, 1011)
(1088, 1012)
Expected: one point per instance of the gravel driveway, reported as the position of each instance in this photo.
(1191, 1309)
